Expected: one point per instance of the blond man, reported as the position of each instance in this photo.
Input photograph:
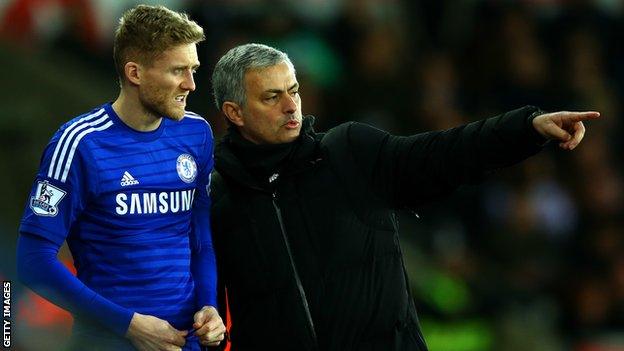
(125, 185)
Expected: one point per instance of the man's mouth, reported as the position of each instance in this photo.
(292, 124)
(180, 98)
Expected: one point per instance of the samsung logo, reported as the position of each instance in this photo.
(148, 203)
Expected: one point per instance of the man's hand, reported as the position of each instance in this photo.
(150, 333)
(209, 326)
(564, 126)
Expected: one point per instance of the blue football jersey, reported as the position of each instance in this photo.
(122, 200)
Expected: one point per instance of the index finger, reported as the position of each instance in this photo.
(203, 316)
(213, 322)
(210, 326)
(199, 318)
(580, 116)
(202, 330)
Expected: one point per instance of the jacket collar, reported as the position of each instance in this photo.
(301, 155)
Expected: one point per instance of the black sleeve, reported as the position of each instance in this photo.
(409, 171)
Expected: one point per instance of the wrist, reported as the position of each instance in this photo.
(134, 325)
(535, 134)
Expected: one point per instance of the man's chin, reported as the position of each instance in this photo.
(172, 113)
(291, 136)
(175, 115)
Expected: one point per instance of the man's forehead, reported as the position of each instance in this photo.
(272, 77)
(184, 54)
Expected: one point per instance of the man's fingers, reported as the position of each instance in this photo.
(200, 318)
(216, 337)
(211, 328)
(205, 320)
(178, 341)
(556, 132)
(579, 132)
(177, 337)
(215, 323)
(579, 116)
(214, 341)
(205, 314)
(202, 330)
(216, 333)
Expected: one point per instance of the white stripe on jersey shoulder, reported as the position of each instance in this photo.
(66, 132)
(75, 145)
(71, 140)
(193, 115)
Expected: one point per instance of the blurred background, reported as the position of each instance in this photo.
(532, 259)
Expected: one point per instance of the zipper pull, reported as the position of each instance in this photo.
(273, 177)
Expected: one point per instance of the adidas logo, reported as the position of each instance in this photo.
(128, 179)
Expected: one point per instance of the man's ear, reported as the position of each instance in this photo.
(133, 72)
(233, 112)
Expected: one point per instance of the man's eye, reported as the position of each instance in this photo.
(294, 93)
(271, 98)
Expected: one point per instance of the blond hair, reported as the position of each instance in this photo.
(144, 32)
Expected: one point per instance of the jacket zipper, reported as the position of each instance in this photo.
(302, 294)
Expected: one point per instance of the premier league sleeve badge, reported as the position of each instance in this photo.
(46, 199)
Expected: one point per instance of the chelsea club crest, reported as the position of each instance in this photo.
(186, 167)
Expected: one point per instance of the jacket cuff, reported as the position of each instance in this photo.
(534, 135)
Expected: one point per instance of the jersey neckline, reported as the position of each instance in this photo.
(136, 134)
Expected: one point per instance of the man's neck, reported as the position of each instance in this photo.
(133, 114)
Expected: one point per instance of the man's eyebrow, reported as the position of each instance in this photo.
(278, 91)
(194, 66)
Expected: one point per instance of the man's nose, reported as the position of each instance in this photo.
(290, 104)
(189, 82)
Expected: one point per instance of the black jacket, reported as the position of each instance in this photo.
(311, 259)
